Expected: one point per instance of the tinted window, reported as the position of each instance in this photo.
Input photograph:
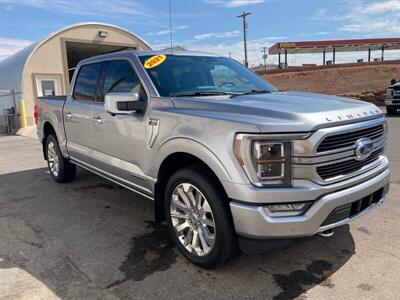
(120, 78)
(86, 82)
(181, 73)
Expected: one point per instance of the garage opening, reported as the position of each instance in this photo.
(77, 51)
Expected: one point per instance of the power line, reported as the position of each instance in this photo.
(243, 16)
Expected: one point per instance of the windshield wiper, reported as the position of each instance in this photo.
(256, 91)
(202, 93)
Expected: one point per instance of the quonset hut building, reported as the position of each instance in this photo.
(46, 67)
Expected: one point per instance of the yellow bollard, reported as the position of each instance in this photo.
(22, 113)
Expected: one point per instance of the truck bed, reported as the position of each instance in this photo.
(50, 109)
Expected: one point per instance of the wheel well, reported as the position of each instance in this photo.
(47, 130)
(169, 166)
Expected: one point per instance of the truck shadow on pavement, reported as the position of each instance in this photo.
(92, 239)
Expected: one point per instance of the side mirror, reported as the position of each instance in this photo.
(123, 103)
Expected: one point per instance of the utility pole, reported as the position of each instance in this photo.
(243, 16)
(265, 55)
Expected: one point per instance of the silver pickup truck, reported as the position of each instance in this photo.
(230, 161)
(392, 100)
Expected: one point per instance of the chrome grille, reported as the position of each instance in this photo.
(346, 167)
(349, 139)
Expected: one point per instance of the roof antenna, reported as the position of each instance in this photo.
(170, 24)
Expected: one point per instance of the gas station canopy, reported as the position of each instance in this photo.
(334, 46)
(337, 45)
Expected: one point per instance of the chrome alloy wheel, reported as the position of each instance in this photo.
(52, 158)
(192, 219)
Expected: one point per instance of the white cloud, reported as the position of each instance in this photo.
(227, 34)
(181, 27)
(234, 3)
(84, 8)
(381, 7)
(322, 33)
(379, 18)
(167, 31)
(161, 32)
(9, 46)
(238, 3)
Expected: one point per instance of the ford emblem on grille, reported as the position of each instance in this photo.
(364, 148)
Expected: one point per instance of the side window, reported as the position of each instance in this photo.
(86, 83)
(120, 78)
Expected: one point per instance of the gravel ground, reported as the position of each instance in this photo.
(91, 239)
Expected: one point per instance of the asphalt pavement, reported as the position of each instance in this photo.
(91, 239)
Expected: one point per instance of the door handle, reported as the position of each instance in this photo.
(68, 115)
(98, 120)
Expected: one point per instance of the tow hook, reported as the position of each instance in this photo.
(327, 233)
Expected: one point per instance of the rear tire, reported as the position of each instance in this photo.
(391, 110)
(61, 169)
(199, 218)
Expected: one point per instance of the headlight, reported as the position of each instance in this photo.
(272, 161)
(267, 162)
(389, 93)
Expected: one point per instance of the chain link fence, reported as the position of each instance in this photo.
(9, 111)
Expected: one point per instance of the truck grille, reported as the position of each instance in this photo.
(348, 139)
(346, 167)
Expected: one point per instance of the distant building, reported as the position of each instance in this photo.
(46, 67)
(261, 68)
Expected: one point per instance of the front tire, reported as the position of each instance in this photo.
(391, 110)
(198, 218)
(61, 169)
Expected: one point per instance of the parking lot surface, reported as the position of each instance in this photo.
(91, 239)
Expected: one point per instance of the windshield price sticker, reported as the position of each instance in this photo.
(154, 61)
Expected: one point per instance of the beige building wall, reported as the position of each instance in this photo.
(50, 57)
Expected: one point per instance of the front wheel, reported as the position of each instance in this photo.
(61, 169)
(199, 219)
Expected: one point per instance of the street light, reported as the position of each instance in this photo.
(243, 16)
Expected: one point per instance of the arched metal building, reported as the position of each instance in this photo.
(46, 67)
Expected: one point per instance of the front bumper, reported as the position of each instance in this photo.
(251, 220)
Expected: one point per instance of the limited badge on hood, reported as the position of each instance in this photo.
(154, 61)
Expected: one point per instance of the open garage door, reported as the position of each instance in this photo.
(77, 51)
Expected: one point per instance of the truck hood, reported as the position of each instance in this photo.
(281, 111)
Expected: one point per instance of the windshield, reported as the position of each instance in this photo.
(181, 75)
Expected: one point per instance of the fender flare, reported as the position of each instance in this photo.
(195, 148)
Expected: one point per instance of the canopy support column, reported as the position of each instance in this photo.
(286, 59)
(279, 60)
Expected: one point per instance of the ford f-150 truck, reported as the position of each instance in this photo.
(392, 100)
(228, 159)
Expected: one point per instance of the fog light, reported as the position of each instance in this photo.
(287, 210)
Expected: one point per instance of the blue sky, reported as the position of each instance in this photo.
(208, 25)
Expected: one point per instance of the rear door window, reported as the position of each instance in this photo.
(87, 82)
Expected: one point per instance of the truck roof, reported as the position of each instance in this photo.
(149, 52)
